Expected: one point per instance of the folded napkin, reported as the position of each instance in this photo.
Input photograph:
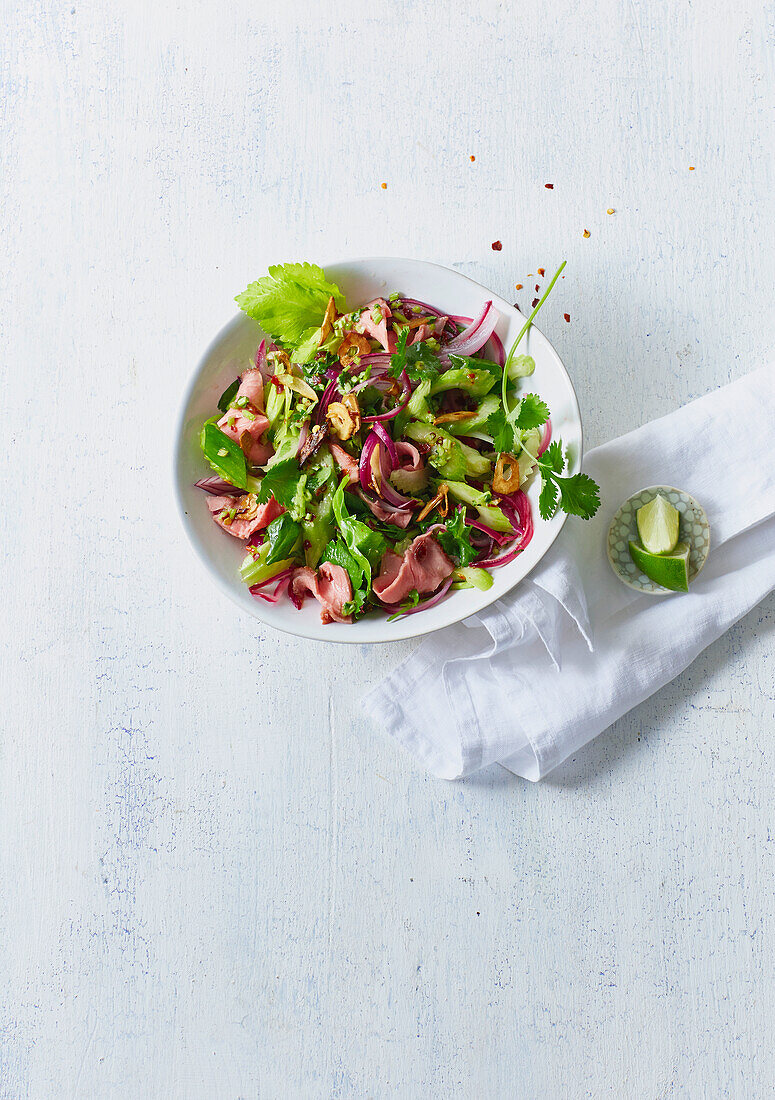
(546, 668)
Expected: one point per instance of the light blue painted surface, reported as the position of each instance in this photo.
(217, 881)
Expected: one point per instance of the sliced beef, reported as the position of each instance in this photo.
(346, 463)
(376, 329)
(246, 423)
(241, 516)
(423, 566)
(331, 587)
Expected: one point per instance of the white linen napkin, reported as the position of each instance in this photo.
(549, 666)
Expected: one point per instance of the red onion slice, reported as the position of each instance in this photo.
(279, 579)
(517, 508)
(546, 438)
(434, 599)
(303, 437)
(364, 465)
(388, 460)
(390, 446)
(262, 363)
(325, 401)
(379, 381)
(519, 503)
(406, 393)
(473, 338)
(500, 351)
(497, 536)
(494, 563)
(392, 497)
(375, 359)
(424, 307)
(263, 596)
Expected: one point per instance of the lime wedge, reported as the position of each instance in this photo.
(669, 570)
(658, 525)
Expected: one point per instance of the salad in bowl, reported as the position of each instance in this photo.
(376, 456)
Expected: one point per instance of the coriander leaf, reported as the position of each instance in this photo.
(501, 430)
(281, 481)
(283, 533)
(579, 495)
(417, 360)
(228, 394)
(532, 412)
(455, 539)
(398, 358)
(421, 363)
(553, 458)
(289, 303)
(547, 501)
(224, 454)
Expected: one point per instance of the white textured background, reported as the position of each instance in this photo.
(217, 880)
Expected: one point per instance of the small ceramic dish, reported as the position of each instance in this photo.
(694, 529)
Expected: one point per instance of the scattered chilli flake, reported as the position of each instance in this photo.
(519, 286)
(534, 303)
(542, 271)
(472, 158)
(549, 186)
(610, 210)
(496, 246)
(383, 186)
(691, 167)
(538, 286)
(586, 233)
(567, 317)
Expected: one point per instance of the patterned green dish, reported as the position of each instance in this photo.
(694, 529)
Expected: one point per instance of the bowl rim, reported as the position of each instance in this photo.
(409, 630)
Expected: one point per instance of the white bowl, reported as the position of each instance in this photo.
(360, 281)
